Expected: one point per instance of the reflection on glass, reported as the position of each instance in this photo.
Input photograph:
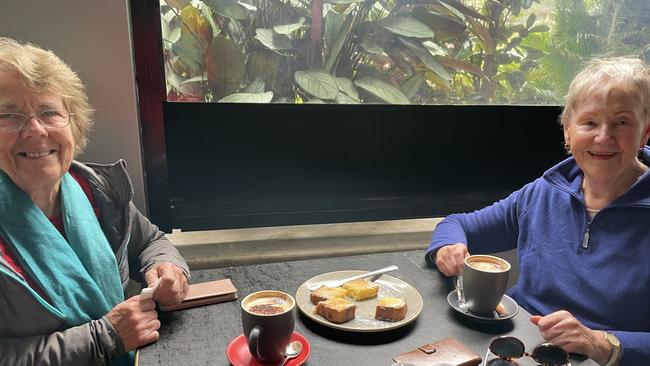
(390, 51)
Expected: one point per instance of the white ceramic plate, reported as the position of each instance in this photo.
(364, 320)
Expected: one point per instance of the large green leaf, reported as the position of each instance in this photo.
(317, 83)
(189, 50)
(411, 86)
(248, 98)
(289, 28)
(333, 24)
(445, 26)
(426, 59)
(345, 30)
(382, 90)
(531, 20)
(346, 86)
(165, 29)
(236, 11)
(370, 45)
(273, 40)
(435, 49)
(342, 98)
(407, 26)
(452, 11)
(466, 10)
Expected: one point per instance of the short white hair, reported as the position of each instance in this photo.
(627, 70)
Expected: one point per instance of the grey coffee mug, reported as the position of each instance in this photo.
(268, 319)
(484, 281)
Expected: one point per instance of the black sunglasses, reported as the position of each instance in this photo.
(508, 349)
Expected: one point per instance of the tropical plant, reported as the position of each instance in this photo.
(584, 30)
(353, 51)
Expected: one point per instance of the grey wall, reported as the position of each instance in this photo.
(94, 38)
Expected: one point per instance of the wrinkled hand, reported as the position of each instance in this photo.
(450, 259)
(564, 330)
(136, 322)
(173, 283)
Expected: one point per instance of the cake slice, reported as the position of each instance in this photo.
(326, 293)
(361, 289)
(392, 309)
(336, 310)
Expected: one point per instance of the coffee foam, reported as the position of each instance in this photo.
(268, 301)
(488, 264)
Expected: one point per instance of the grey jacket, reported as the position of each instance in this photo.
(30, 335)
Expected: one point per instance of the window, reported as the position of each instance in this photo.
(388, 51)
(397, 109)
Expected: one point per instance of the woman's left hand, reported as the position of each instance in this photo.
(173, 283)
(562, 329)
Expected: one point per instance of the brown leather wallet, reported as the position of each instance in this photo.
(448, 350)
(205, 293)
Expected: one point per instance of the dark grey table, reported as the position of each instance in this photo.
(201, 335)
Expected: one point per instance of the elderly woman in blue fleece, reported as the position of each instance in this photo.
(582, 230)
(69, 235)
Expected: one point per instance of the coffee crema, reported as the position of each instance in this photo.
(487, 266)
(268, 305)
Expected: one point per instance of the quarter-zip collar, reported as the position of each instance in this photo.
(568, 176)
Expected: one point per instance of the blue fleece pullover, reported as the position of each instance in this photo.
(598, 271)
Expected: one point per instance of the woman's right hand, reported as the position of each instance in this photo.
(450, 259)
(136, 322)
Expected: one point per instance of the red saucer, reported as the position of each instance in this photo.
(239, 355)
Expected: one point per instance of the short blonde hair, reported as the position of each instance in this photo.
(629, 71)
(44, 71)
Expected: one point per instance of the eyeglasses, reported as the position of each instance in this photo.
(50, 119)
(509, 349)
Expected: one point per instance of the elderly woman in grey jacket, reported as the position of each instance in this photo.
(70, 237)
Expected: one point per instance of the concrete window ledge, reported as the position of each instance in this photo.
(223, 248)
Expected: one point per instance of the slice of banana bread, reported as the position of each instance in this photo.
(336, 310)
(392, 309)
(326, 293)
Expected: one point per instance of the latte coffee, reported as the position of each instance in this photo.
(268, 319)
(483, 282)
(268, 305)
(488, 266)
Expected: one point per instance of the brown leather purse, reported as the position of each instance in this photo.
(448, 351)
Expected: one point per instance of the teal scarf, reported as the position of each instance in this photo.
(80, 274)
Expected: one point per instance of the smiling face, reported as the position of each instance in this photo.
(34, 157)
(606, 130)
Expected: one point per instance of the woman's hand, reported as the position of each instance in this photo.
(564, 330)
(450, 259)
(136, 322)
(173, 283)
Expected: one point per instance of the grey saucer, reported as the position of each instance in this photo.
(511, 307)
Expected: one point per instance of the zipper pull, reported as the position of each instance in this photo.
(585, 239)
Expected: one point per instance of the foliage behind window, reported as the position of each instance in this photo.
(391, 51)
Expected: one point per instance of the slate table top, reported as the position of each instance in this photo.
(200, 336)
